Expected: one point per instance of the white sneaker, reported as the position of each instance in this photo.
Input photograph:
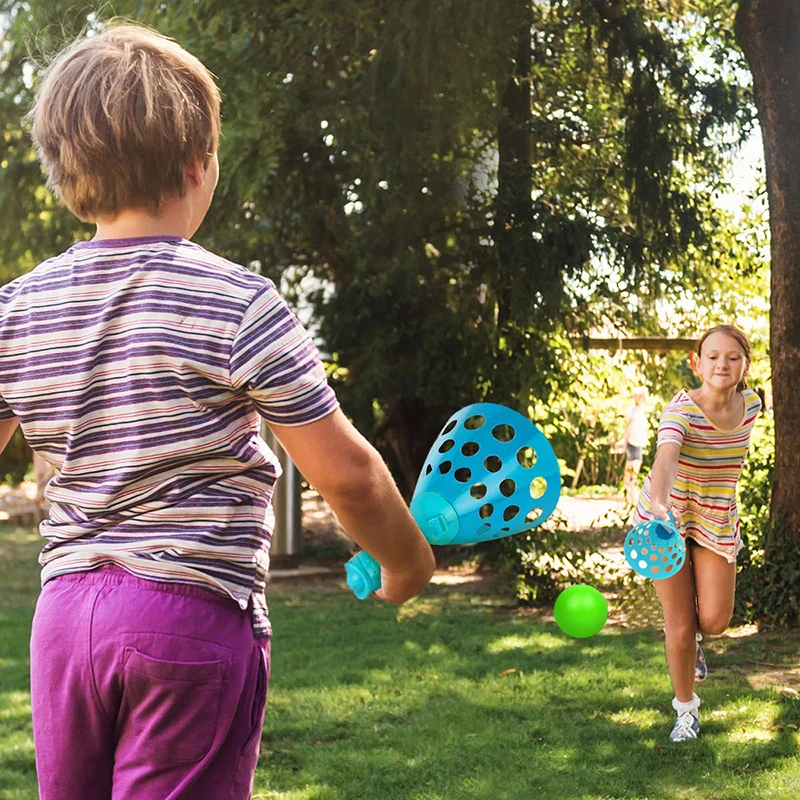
(686, 727)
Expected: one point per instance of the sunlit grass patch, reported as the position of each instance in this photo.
(642, 718)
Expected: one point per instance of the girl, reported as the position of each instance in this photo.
(702, 441)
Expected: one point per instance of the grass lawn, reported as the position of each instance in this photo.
(458, 696)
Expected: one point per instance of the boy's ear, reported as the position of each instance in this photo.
(693, 361)
(195, 173)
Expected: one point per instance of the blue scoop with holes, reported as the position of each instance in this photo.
(655, 548)
(490, 473)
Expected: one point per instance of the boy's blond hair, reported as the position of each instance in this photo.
(119, 116)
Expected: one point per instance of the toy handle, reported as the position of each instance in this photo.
(363, 575)
(669, 524)
(438, 521)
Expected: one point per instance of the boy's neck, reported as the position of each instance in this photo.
(172, 219)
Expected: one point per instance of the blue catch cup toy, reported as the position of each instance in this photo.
(490, 473)
(655, 548)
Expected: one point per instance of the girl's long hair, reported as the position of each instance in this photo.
(734, 333)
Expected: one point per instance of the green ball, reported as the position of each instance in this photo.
(580, 611)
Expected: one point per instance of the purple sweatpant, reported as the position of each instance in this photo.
(144, 691)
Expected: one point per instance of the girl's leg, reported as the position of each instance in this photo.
(677, 597)
(715, 583)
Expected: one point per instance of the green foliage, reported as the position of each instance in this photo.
(455, 228)
(33, 225)
(548, 561)
(16, 460)
(542, 562)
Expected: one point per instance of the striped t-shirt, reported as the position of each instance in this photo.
(703, 498)
(138, 368)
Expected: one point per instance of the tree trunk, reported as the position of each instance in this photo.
(513, 205)
(768, 32)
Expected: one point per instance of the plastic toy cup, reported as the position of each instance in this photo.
(490, 473)
(655, 548)
(580, 611)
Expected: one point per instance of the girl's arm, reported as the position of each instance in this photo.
(7, 428)
(662, 477)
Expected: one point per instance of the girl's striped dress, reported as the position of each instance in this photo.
(703, 498)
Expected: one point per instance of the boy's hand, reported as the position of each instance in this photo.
(397, 587)
(351, 475)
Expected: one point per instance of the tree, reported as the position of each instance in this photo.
(769, 34)
(33, 225)
(465, 187)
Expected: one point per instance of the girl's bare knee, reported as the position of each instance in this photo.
(714, 624)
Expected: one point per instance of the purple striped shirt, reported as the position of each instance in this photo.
(140, 368)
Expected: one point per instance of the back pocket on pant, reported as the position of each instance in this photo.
(171, 707)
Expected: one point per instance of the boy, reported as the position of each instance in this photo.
(137, 364)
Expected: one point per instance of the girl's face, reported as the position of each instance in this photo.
(722, 363)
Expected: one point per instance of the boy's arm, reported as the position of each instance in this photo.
(7, 428)
(663, 474)
(351, 475)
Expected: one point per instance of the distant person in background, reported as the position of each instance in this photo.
(633, 442)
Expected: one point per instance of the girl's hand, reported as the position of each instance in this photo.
(659, 511)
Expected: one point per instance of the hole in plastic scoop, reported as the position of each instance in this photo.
(462, 474)
(538, 487)
(493, 463)
(533, 515)
(510, 513)
(503, 433)
(507, 487)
